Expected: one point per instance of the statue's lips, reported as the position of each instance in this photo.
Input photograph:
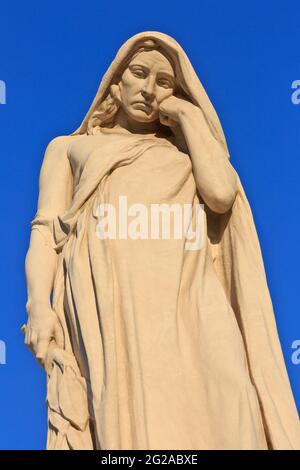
(142, 105)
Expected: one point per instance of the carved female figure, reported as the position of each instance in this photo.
(148, 344)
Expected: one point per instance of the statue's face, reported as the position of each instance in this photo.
(148, 79)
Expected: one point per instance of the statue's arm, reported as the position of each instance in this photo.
(55, 193)
(215, 177)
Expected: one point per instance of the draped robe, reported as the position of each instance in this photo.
(165, 347)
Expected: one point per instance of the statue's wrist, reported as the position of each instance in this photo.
(192, 113)
(33, 305)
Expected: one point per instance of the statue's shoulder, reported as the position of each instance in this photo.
(61, 143)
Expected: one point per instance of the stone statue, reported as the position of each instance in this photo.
(151, 342)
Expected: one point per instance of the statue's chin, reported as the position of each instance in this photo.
(141, 114)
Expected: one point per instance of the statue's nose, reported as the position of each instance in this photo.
(148, 90)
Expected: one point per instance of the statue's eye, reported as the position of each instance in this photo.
(164, 83)
(138, 72)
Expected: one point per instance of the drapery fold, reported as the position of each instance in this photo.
(237, 259)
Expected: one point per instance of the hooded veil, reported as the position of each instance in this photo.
(238, 263)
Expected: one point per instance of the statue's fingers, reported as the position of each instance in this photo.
(59, 335)
(29, 339)
(172, 123)
(41, 348)
(33, 339)
(163, 107)
(164, 119)
(27, 335)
